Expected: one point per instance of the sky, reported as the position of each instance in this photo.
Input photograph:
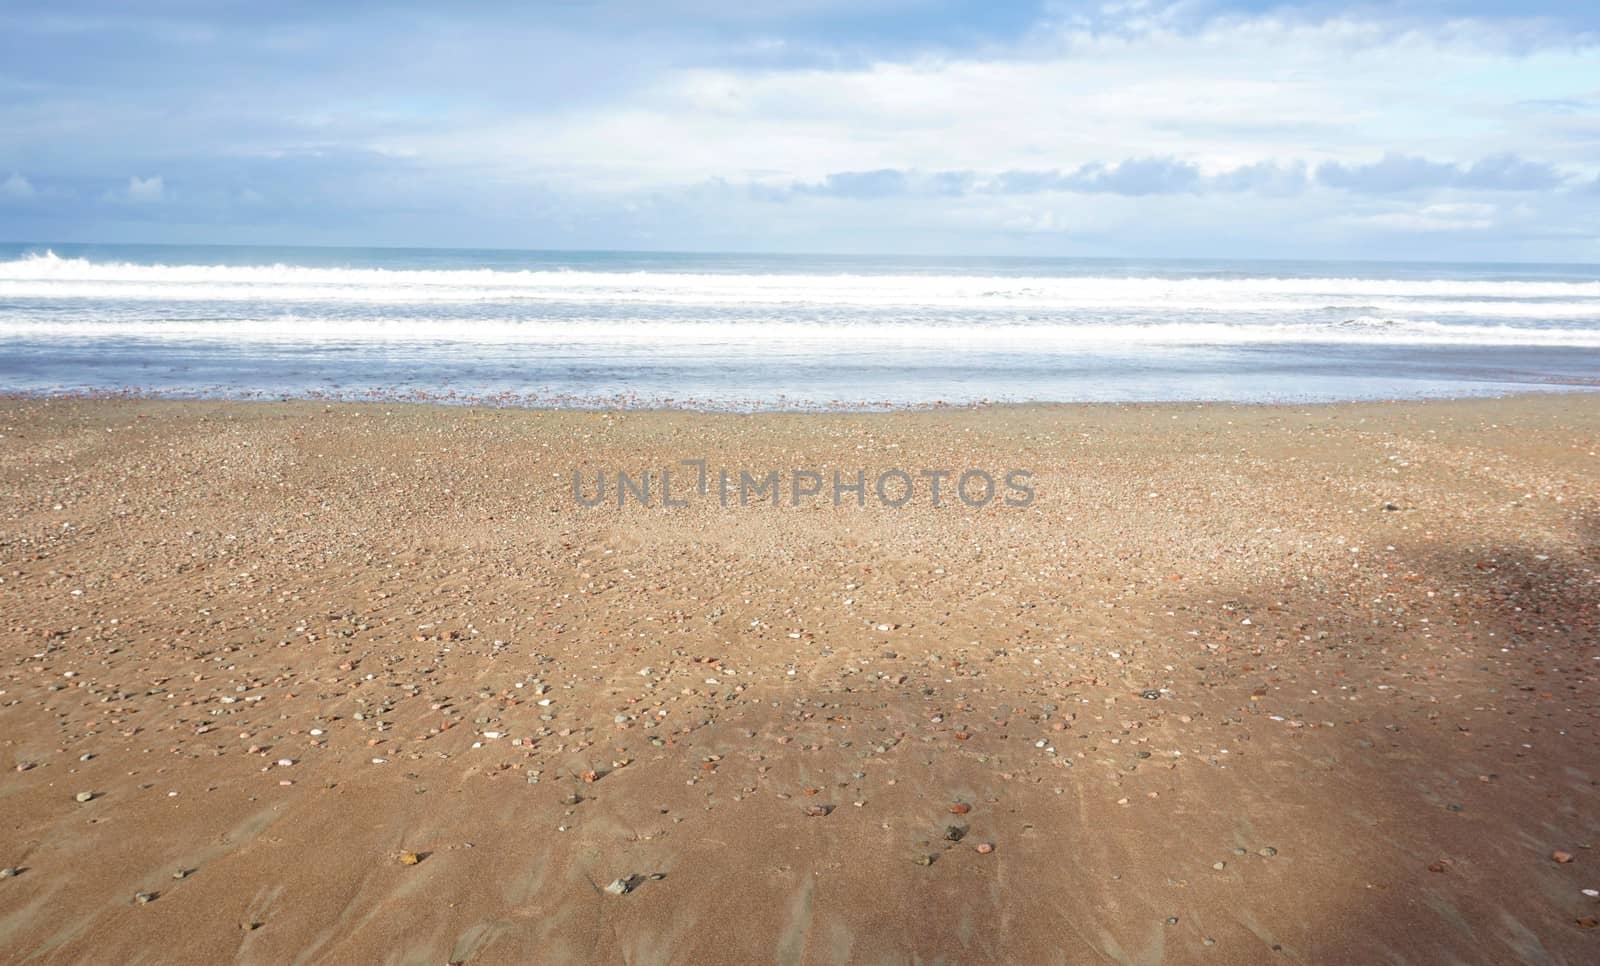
(1418, 130)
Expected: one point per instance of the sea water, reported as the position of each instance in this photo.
(778, 331)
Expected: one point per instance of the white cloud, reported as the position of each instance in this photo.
(145, 190)
(1447, 216)
(16, 187)
(1237, 92)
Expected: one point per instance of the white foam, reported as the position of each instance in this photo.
(51, 277)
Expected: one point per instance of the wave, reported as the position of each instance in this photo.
(49, 276)
(759, 335)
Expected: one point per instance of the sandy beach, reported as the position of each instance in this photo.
(287, 682)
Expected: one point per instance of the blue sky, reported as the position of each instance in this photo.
(1428, 129)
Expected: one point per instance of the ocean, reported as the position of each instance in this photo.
(750, 332)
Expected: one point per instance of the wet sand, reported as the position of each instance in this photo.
(365, 683)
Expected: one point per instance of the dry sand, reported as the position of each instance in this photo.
(284, 645)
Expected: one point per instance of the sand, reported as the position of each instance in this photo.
(364, 683)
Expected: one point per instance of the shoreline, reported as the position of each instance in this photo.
(602, 404)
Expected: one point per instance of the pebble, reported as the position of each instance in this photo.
(1268, 852)
(144, 898)
(960, 809)
(84, 797)
(410, 858)
(984, 848)
(1562, 857)
(10, 872)
(619, 886)
(1219, 866)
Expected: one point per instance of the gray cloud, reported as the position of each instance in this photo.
(1133, 177)
(1396, 173)
(1265, 177)
(883, 183)
(1139, 177)
(1507, 172)
(1142, 176)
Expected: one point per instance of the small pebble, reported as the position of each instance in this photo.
(619, 887)
(984, 848)
(84, 796)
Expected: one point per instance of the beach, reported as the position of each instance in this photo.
(357, 682)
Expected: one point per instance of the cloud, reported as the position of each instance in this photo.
(1158, 176)
(882, 183)
(140, 191)
(1398, 173)
(16, 187)
(1507, 172)
(1148, 176)
(1459, 217)
(1263, 177)
(1139, 177)
(909, 124)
